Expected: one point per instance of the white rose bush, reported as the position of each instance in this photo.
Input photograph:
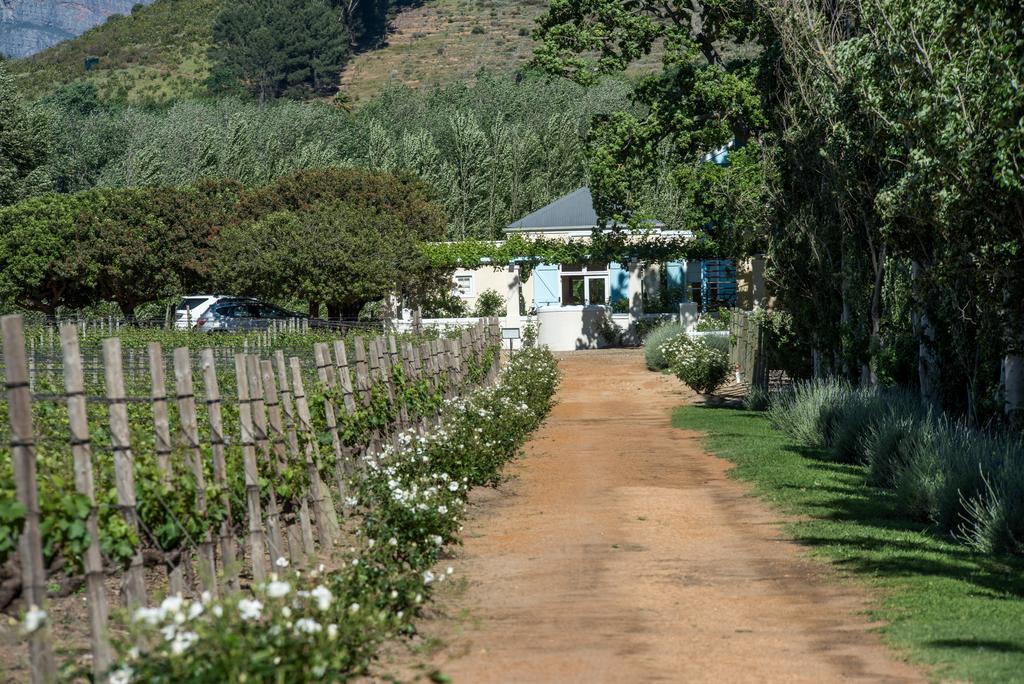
(406, 505)
(700, 366)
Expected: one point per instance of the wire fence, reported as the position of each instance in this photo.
(165, 460)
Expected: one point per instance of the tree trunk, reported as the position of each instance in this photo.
(928, 367)
(333, 312)
(128, 310)
(875, 345)
(1013, 358)
(314, 309)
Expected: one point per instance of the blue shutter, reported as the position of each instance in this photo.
(546, 289)
(619, 278)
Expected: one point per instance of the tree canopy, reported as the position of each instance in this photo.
(875, 156)
(278, 48)
(338, 254)
(24, 145)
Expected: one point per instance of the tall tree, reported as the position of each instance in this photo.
(704, 98)
(24, 145)
(279, 48)
(337, 254)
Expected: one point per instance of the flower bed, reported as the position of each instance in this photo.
(327, 623)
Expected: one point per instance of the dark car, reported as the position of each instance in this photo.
(239, 314)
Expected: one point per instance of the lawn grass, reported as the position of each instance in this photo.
(943, 605)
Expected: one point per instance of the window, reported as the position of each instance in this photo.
(584, 283)
(464, 286)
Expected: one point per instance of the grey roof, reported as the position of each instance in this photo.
(575, 210)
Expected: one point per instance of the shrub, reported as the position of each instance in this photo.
(407, 503)
(889, 445)
(808, 412)
(757, 399)
(994, 518)
(488, 304)
(702, 367)
(656, 339)
(969, 483)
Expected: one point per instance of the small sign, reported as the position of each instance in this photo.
(510, 333)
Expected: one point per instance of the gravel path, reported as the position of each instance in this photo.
(619, 551)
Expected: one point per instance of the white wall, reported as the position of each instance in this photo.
(489, 278)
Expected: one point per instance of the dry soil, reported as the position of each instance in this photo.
(620, 551)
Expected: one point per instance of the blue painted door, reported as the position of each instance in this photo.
(546, 289)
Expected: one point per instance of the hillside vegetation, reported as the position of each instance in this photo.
(159, 53)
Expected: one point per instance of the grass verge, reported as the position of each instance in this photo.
(944, 605)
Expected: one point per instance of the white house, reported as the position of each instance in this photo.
(572, 303)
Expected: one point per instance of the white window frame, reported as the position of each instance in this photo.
(461, 292)
(588, 275)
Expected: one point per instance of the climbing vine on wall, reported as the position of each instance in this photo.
(618, 246)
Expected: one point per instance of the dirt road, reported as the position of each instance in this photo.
(621, 552)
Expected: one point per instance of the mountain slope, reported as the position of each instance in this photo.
(159, 52)
(29, 26)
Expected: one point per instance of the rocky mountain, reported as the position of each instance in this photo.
(30, 26)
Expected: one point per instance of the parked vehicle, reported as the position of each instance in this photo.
(212, 313)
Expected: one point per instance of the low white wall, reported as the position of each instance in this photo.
(568, 328)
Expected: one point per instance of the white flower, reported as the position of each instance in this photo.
(182, 642)
(195, 610)
(428, 577)
(354, 608)
(351, 501)
(394, 593)
(133, 653)
(249, 609)
(150, 616)
(217, 610)
(171, 606)
(437, 539)
(281, 562)
(323, 597)
(121, 676)
(34, 619)
(355, 561)
(419, 598)
(442, 509)
(277, 589)
(450, 570)
(307, 626)
(286, 611)
(453, 486)
(393, 541)
(169, 631)
(332, 631)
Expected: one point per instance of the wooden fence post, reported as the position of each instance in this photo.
(133, 586)
(362, 383)
(81, 453)
(252, 473)
(305, 524)
(220, 470)
(325, 373)
(326, 516)
(186, 399)
(23, 454)
(162, 444)
(275, 542)
(278, 450)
